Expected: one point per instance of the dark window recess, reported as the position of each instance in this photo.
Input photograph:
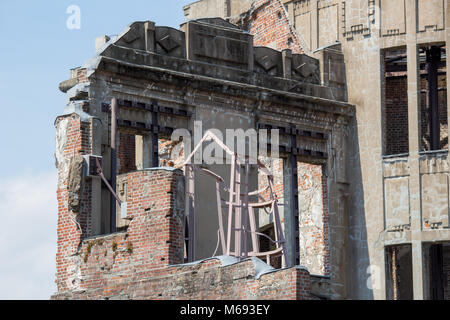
(395, 108)
(399, 277)
(267, 245)
(437, 272)
(433, 98)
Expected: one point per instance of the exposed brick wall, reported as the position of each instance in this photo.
(141, 263)
(155, 237)
(126, 153)
(78, 137)
(396, 116)
(157, 217)
(205, 280)
(269, 23)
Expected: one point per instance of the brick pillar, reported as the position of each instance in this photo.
(155, 203)
(302, 284)
(73, 194)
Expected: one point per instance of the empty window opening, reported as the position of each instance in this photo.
(266, 245)
(395, 106)
(433, 98)
(437, 270)
(129, 158)
(126, 153)
(399, 277)
(265, 218)
(313, 246)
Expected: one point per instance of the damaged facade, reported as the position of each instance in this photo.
(358, 92)
(394, 53)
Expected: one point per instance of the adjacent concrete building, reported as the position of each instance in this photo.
(395, 74)
(358, 92)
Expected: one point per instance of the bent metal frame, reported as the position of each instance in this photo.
(238, 206)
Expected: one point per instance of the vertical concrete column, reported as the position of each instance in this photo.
(139, 156)
(291, 13)
(143, 152)
(288, 204)
(337, 197)
(314, 26)
(96, 150)
(147, 147)
(251, 54)
(287, 63)
(150, 41)
(227, 8)
(414, 146)
(189, 42)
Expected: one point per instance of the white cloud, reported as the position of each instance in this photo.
(28, 213)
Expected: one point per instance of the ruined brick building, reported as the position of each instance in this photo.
(357, 90)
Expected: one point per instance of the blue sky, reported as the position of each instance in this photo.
(37, 51)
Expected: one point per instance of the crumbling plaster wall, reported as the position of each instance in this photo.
(313, 206)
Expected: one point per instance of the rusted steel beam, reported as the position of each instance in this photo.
(148, 107)
(238, 216)
(255, 243)
(281, 240)
(300, 133)
(301, 152)
(114, 107)
(231, 200)
(108, 185)
(245, 210)
(220, 217)
(295, 236)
